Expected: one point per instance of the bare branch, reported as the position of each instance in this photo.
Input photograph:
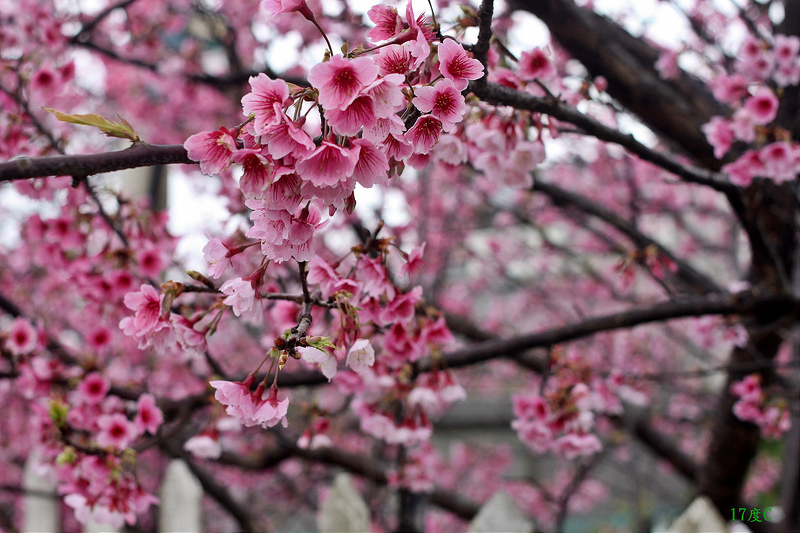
(138, 155)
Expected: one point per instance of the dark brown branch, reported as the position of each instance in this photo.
(497, 94)
(659, 312)
(138, 155)
(697, 281)
(481, 48)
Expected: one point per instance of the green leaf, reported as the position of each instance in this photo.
(121, 129)
(320, 343)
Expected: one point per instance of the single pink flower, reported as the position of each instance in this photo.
(116, 431)
(388, 23)
(146, 302)
(349, 121)
(424, 134)
(762, 106)
(93, 389)
(212, 149)
(216, 255)
(443, 101)
(457, 66)
(148, 416)
(719, 135)
(535, 65)
(240, 295)
(361, 356)
(327, 165)
(265, 101)
(287, 137)
(414, 261)
(397, 59)
(372, 165)
(340, 80)
(21, 337)
(387, 95)
(278, 7)
(256, 172)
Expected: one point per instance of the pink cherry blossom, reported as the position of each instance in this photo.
(93, 388)
(388, 22)
(240, 295)
(146, 303)
(762, 106)
(535, 65)
(719, 135)
(361, 356)
(21, 337)
(287, 6)
(115, 431)
(216, 255)
(256, 172)
(340, 80)
(328, 164)
(457, 66)
(212, 149)
(372, 165)
(148, 416)
(360, 113)
(266, 101)
(424, 134)
(287, 137)
(443, 101)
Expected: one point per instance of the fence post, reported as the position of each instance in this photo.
(181, 500)
(41, 500)
(500, 514)
(343, 510)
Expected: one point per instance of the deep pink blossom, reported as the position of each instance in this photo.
(424, 134)
(340, 80)
(719, 135)
(388, 22)
(148, 416)
(372, 165)
(457, 66)
(116, 431)
(212, 149)
(265, 101)
(443, 101)
(21, 337)
(535, 65)
(287, 137)
(762, 106)
(360, 113)
(146, 303)
(328, 164)
(93, 389)
(278, 7)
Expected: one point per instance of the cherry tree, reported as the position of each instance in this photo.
(590, 212)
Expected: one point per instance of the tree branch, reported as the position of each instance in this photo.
(659, 312)
(138, 155)
(697, 281)
(497, 94)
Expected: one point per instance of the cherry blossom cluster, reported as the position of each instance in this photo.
(772, 417)
(561, 420)
(90, 442)
(750, 91)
